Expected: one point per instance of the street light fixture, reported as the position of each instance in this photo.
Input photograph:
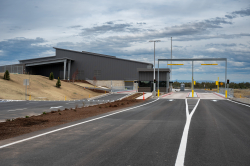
(154, 93)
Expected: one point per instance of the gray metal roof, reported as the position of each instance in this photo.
(37, 58)
(57, 60)
(102, 55)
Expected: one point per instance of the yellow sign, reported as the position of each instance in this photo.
(194, 82)
(209, 64)
(216, 83)
(175, 64)
(221, 83)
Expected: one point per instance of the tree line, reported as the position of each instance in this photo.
(210, 85)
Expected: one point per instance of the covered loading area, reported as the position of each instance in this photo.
(145, 80)
(60, 67)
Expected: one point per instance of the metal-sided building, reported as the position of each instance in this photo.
(85, 66)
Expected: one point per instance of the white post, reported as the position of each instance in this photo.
(69, 65)
(154, 72)
(64, 73)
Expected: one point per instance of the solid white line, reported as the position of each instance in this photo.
(182, 149)
(74, 125)
(238, 103)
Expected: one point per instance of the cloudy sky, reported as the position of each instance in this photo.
(200, 29)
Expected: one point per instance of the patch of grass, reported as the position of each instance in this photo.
(26, 116)
(60, 113)
(44, 113)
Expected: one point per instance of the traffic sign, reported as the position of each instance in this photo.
(221, 83)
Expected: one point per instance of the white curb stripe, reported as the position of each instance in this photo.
(73, 125)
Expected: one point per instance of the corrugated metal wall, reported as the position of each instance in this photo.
(109, 68)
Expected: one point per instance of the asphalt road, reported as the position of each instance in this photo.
(219, 134)
(9, 110)
(147, 135)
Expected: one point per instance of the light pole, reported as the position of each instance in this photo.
(154, 65)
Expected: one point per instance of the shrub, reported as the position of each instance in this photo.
(7, 120)
(51, 76)
(6, 75)
(26, 116)
(60, 113)
(44, 113)
(58, 83)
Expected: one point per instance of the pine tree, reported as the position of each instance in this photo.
(6, 75)
(58, 83)
(51, 76)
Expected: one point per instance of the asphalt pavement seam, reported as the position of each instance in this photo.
(182, 149)
(39, 135)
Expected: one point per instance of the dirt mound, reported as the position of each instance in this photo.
(41, 88)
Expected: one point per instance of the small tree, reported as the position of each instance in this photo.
(51, 76)
(6, 75)
(58, 83)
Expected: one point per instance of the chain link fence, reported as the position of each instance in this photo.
(16, 69)
(230, 92)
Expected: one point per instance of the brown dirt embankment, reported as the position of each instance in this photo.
(19, 126)
(40, 88)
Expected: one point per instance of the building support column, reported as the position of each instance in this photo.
(167, 82)
(69, 66)
(64, 73)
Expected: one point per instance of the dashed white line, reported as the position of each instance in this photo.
(17, 109)
(56, 107)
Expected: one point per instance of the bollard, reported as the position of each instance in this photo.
(89, 96)
(30, 97)
(225, 93)
(143, 96)
(105, 92)
(240, 96)
(192, 93)
(158, 92)
(65, 98)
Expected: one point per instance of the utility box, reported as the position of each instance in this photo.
(182, 87)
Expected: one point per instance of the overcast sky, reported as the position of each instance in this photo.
(200, 29)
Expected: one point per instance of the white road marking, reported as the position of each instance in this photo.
(18, 109)
(182, 149)
(238, 103)
(56, 107)
(39, 135)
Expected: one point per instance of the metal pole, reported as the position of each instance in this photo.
(171, 61)
(225, 74)
(192, 75)
(26, 89)
(158, 76)
(154, 71)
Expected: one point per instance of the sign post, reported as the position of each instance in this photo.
(26, 82)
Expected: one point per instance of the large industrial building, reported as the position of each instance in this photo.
(69, 65)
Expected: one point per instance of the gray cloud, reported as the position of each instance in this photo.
(110, 27)
(75, 26)
(242, 13)
(221, 45)
(21, 48)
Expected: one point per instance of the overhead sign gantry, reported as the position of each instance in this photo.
(200, 59)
